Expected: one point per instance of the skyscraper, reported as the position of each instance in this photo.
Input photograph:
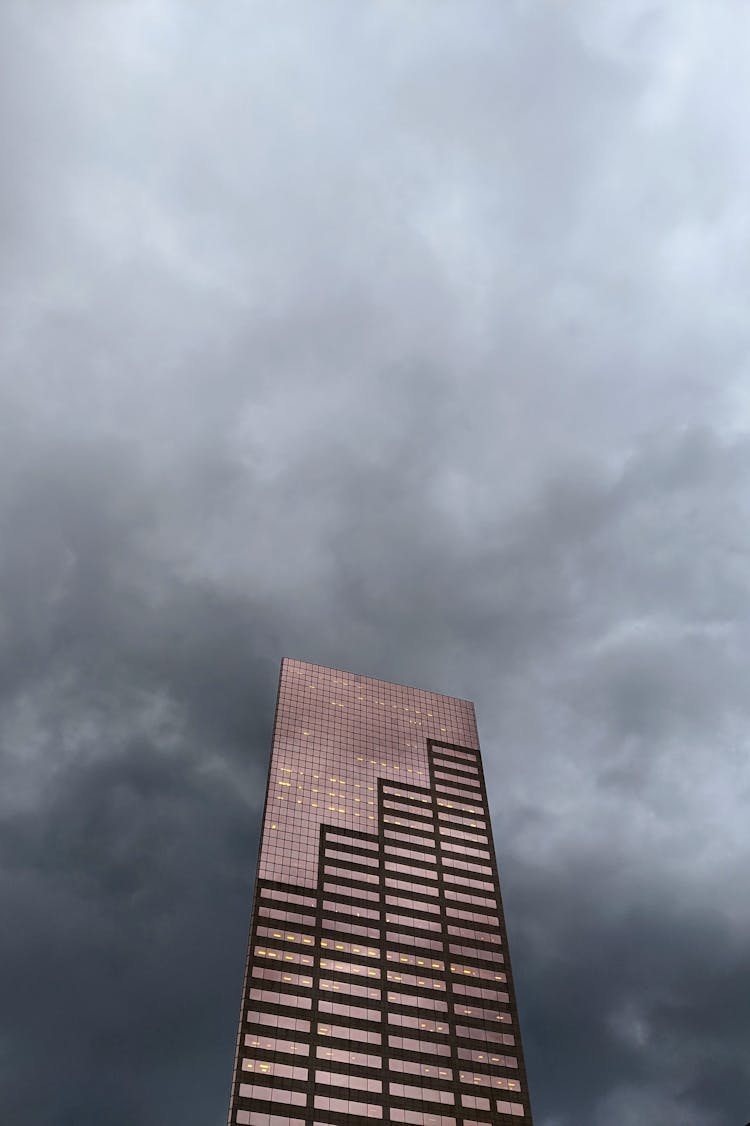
(378, 983)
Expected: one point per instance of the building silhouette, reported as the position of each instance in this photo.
(378, 982)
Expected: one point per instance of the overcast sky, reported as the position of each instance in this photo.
(410, 338)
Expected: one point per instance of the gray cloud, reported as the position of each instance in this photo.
(411, 341)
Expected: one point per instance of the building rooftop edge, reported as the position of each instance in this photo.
(376, 679)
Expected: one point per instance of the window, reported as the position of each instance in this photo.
(348, 1106)
(273, 1044)
(339, 840)
(453, 862)
(455, 767)
(482, 992)
(255, 1118)
(284, 936)
(480, 1079)
(484, 1034)
(420, 1118)
(343, 925)
(413, 854)
(410, 886)
(346, 1032)
(270, 997)
(282, 1070)
(481, 936)
(393, 835)
(451, 752)
(411, 795)
(342, 1008)
(346, 1081)
(465, 807)
(351, 857)
(350, 988)
(477, 972)
(429, 1070)
(341, 946)
(427, 1004)
(406, 822)
(343, 967)
(272, 1094)
(348, 1057)
(464, 850)
(294, 957)
(409, 1044)
(296, 918)
(412, 921)
(463, 821)
(345, 874)
(480, 1013)
(472, 916)
(414, 904)
(264, 973)
(277, 1020)
(418, 940)
(510, 1108)
(475, 1102)
(392, 866)
(349, 892)
(422, 1023)
(409, 959)
(470, 899)
(467, 882)
(478, 1055)
(287, 897)
(416, 980)
(354, 910)
(462, 793)
(428, 1094)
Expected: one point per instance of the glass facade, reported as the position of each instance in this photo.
(378, 982)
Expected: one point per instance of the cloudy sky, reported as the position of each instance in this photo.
(409, 337)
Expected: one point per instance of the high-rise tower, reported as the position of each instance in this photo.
(378, 981)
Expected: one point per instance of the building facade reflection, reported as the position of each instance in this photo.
(378, 983)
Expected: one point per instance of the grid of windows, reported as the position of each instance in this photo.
(377, 986)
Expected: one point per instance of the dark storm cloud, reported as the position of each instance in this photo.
(410, 340)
